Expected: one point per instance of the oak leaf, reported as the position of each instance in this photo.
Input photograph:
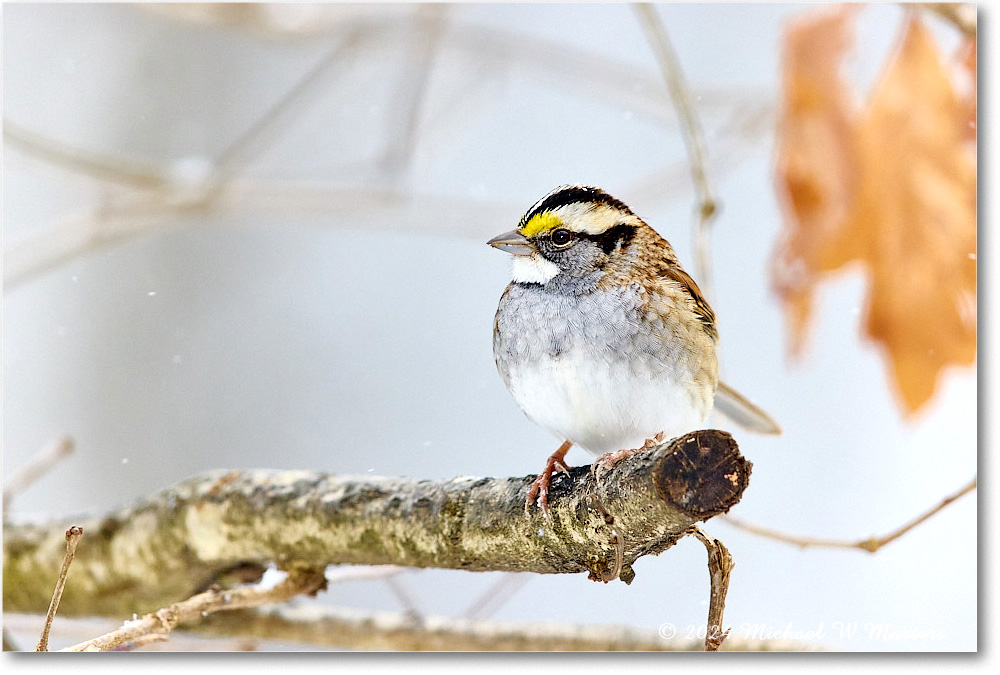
(891, 186)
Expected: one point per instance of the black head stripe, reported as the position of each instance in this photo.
(622, 233)
(574, 194)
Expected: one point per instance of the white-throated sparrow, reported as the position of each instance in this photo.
(602, 338)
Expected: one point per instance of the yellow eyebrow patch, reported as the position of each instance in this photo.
(540, 222)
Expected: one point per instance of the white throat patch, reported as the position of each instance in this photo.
(532, 269)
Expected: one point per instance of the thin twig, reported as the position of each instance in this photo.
(573, 69)
(142, 641)
(333, 576)
(299, 582)
(429, 24)
(262, 132)
(133, 173)
(52, 454)
(71, 630)
(404, 597)
(616, 540)
(694, 139)
(363, 573)
(741, 135)
(73, 535)
(871, 544)
(370, 208)
(720, 564)
(97, 226)
(496, 595)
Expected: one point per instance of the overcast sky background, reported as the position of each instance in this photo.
(336, 313)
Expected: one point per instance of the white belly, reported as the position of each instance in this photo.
(600, 408)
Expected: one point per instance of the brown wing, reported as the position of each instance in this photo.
(701, 308)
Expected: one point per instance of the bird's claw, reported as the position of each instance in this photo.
(539, 489)
(607, 461)
(540, 486)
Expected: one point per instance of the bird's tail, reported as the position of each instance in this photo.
(737, 408)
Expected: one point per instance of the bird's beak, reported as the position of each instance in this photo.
(512, 242)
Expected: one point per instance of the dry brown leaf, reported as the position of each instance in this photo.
(905, 208)
(915, 194)
(967, 63)
(816, 167)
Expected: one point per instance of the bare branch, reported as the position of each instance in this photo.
(720, 564)
(741, 134)
(363, 573)
(132, 173)
(429, 23)
(616, 539)
(317, 626)
(208, 524)
(404, 597)
(49, 247)
(263, 131)
(40, 465)
(176, 190)
(694, 140)
(73, 535)
(495, 596)
(140, 642)
(871, 544)
(71, 630)
(299, 582)
(86, 627)
(352, 629)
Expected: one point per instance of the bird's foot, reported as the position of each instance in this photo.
(540, 487)
(606, 462)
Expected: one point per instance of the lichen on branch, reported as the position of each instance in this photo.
(178, 542)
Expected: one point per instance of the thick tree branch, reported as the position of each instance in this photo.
(178, 542)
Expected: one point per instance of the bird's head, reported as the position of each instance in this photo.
(573, 231)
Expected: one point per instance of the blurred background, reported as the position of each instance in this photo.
(254, 236)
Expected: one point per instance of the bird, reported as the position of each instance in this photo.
(602, 338)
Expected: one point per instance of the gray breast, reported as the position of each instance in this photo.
(534, 324)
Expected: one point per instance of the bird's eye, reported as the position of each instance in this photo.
(561, 237)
